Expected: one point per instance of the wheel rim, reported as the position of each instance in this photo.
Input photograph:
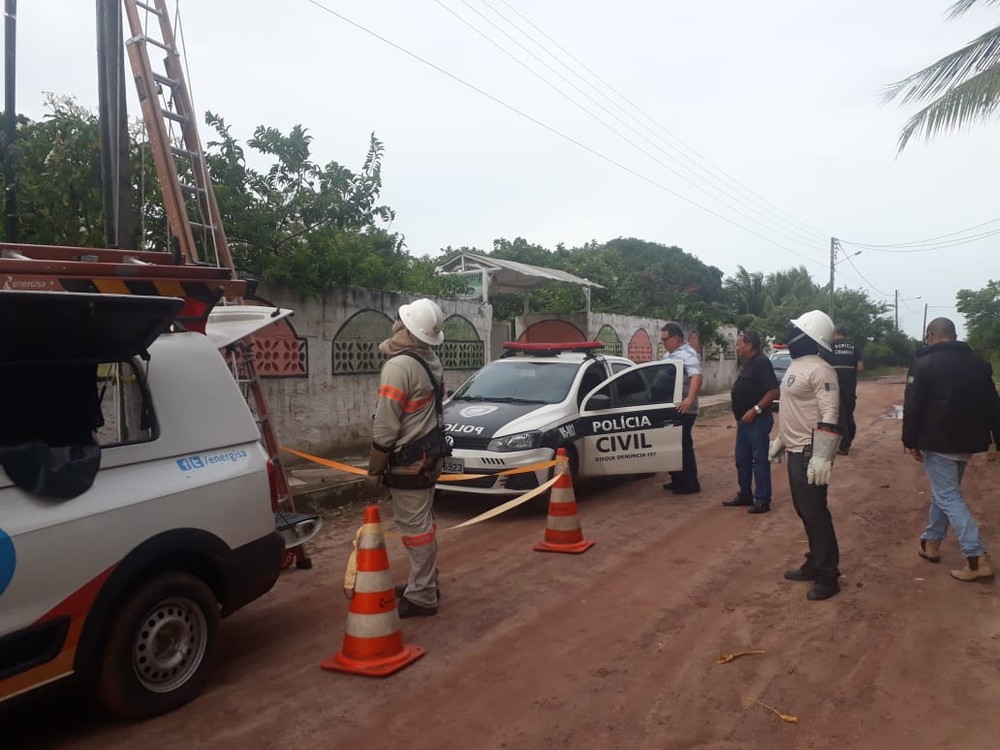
(169, 645)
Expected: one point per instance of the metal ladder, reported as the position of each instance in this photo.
(191, 208)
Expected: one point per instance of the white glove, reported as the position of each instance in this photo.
(819, 470)
(824, 447)
(776, 451)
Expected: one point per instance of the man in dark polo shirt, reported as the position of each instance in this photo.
(754, 390)
(847, 362)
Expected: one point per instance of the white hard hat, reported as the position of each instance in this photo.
(817, 325)
(424, 320)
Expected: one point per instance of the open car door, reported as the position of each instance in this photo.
(630, 425)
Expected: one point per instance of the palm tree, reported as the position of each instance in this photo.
(963, 86)
(748, 295)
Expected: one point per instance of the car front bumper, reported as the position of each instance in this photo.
(491, 464)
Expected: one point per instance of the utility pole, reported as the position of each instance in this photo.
(833, 262)
(114, 125)
(923, 328)
(896, 308)
(10, 123)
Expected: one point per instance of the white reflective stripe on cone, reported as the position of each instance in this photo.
(371, 536)
(373, 581)
(372, 626)
(564, 523)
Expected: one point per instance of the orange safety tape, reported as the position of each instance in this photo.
(351, 573)
(443, 478)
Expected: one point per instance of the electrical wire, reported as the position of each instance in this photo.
(924, 241)
(850, 259)
(930, 247)
(752, 195)
(554, 131)
(769, 227)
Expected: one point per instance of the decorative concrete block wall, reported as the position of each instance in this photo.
(632, 337)
(328, 408)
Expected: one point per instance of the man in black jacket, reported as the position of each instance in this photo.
(951, 410)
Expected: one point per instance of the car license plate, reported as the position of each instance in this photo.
(454, 466)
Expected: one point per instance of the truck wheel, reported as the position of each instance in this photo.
(160, 647)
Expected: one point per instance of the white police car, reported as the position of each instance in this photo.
(612, 416)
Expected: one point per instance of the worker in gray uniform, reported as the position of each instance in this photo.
(809, 435)
(408, 445)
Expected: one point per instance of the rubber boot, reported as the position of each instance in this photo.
(976, 568)
(930, 550)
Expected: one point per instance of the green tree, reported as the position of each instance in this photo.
(961, 87)
(58, 163)
(981, 309)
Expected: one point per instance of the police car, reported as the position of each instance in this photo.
(613, 417)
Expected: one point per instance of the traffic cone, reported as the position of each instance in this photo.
(562, 528)
(373, 642)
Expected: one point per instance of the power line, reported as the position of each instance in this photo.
(553, 130)
(769, 226)
(767, 205)
(931, 246)
(928, 239)
(850, 259)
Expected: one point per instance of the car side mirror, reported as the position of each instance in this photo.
(599, 401)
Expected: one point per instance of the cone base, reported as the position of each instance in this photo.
(573, 549)
(379, 667)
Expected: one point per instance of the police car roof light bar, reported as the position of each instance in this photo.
(514, 347)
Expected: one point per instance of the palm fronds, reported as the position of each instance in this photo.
(974, 99)
(962, 6)
(977, 56)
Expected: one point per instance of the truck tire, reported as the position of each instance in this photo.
(160, 647)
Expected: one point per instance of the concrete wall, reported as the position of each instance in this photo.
(330, 412)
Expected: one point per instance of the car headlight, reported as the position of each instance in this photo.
(521, 441)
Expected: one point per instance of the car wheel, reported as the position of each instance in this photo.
(160, 647)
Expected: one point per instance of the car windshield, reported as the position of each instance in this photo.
(520, 382)
(781, 360)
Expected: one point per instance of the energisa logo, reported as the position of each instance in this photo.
(200, 462)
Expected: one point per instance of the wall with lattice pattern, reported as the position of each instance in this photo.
(327, 407)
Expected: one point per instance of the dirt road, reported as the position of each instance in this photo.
(618, 647)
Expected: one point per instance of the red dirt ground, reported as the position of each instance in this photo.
(617, 647)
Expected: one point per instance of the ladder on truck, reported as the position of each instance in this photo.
(171, 126)
(192, 212)
(107, 271)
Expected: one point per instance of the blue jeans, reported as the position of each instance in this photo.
(948, 506)
(752, 467)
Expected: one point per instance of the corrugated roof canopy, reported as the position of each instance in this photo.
(509, 276)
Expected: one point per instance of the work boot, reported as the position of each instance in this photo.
(930, 550)
(400, 589)
(823, 590)
(738, 501)
(409, 609)
(759, 508)
(977, 568)
(800, 574)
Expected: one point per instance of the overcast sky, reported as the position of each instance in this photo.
(782, 96)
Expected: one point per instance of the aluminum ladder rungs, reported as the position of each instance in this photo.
(150, 8)
(165, 80)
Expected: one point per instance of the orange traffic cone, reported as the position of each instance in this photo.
(562, 528)
(373, 642)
